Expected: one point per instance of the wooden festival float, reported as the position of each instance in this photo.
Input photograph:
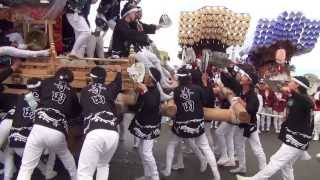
(277, 40)
(204, 36)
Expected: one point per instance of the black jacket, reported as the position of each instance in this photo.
(5, 73)
(124, 35)
(98, 104)
(109, 8)
(87, 8)
(252, 101)
(210, 98)
(10, 114)
(79, 6)
(58, 105)
(22, 123)
(297, 130)
(231, 82)
(147, 28)
(147, 121)
(4, 40)
(189, 120)
(224, 104)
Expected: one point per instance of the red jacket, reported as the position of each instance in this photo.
(279, 105)
(317, 105)
(268, 100)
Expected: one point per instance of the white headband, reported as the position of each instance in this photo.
(187, 66)
(300, 83)
(32, 86)
(93, 76)
(245, 74)
(130, 11)
(183, 75)
(242, 72)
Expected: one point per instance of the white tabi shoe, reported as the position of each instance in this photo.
(238, 170)
(242, 177)
(222, 161)
(165, 173)
(177, 167)
(318, 156)
(230, 163)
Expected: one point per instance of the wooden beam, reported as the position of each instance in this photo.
(37, 22)
(14, 91)
(121, 60)
(53, 53)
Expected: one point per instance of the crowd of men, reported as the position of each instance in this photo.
(41, 119)
(40, 122)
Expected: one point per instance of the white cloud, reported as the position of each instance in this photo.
(166, 39)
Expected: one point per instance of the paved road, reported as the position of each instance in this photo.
(126, 164)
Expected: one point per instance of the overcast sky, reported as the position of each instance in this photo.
(166, 39)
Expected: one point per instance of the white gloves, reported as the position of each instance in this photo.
(31, 100)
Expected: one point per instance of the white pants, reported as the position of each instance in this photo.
(283, 160)
(208, 130)
(82, 33)
(316, 124)
(20, 53)
(96, 153)
(225, 137)
(149, 59)
(255, 145)
(9, 166)
(148, 161)
(265, 119)
(190, 144)
(122, 126)
(5, 127)
(258, 122)
(42, 138)
(277, 121)
(95, 45)
(202, 143)
(136, 142)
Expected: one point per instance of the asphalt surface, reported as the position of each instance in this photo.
(126, 164)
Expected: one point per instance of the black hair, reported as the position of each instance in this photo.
(184, 80)
(98, 74)
(6, 25)
(155, 74)
(64, 74)
(197, 77)
(302, 90)
(184, 76)
(305, 81)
